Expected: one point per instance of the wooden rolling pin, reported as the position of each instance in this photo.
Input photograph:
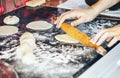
(81, 37)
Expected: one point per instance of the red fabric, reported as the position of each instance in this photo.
(2, 9)
(25, 1)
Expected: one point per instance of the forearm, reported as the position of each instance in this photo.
(101, 5)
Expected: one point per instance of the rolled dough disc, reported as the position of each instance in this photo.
(11, 20)
(8, 30)
(39, 25)
(66, 38)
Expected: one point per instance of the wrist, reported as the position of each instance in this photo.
(94, 10)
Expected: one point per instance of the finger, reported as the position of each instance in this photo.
(97, 36)
(109, 39)
(77, 22)
(113, 41)
(59, 21)
(102, 38)
(101, 51)
(62, 18)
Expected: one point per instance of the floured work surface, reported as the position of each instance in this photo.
(54, 59)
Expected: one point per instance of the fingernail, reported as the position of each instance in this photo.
(92, 41)
(57, 27)
(97, 43)
(72, 24)
(109, 45)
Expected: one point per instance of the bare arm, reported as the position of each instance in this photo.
(101, 5)
(85, 15)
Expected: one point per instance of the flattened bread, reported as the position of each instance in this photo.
(8, 30)
(66, 38)
(39, 25)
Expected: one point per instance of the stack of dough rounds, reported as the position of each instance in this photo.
(39, 25)
(28, 38)
(8, 30)
(66, 38)
(11, 20)
(25, 50)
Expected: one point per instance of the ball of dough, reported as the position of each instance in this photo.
(39, 25)
(11, 20)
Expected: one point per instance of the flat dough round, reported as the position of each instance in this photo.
(8, 30)
(39, 25)
(66, 38)
(11, 20)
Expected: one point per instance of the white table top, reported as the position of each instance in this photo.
(107, 67)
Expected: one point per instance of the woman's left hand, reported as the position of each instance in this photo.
(111, 35)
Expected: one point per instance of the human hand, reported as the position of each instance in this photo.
(111, 35)
(80, 16)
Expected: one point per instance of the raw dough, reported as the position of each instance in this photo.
(11, 20)
(34, 3)
(25, 50)
(39, 25)
(28, 38)
(8, 30)
(66, 38)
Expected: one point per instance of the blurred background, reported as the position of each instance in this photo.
(9, 5)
